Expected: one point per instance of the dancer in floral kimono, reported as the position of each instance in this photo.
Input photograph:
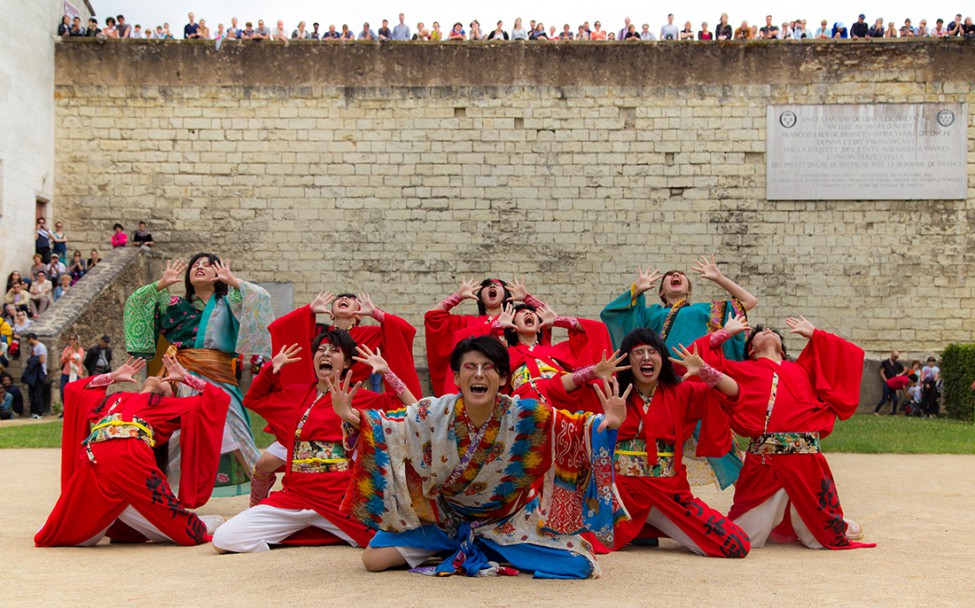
(786, 489)
(456, 475)
(318, 471)
(678, 321)
(110, 483)
(219, 317)
(392, 338)
(539, 368)
(662, 412)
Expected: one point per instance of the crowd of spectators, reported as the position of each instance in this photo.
(793, 29)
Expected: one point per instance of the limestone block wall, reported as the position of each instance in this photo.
(401, 169)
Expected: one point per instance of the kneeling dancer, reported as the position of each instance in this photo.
(661, 415)
(455, 476)
(112, 476)
(786, 489)
(317, 474)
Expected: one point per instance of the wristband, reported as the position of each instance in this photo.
(718, 338)
(392, 381)
(709, 375)
(533, 301)
(450, 301)
(194, 382)
(581, 376)
(566, 322)
(101, 380)
(378, 314)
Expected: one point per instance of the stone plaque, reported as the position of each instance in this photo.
(909, 151)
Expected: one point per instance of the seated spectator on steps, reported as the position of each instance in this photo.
(56, 268)
(40, 294)
(7, 381)
(77, 268)
(93, 260)
(119, 239)
(64, 283)
(21, 325)
(142, 236)
(18, 296)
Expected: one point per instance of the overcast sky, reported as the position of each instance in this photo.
(550, 12)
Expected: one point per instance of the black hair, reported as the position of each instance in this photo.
(347, 295)
(660, 290)
(117, 225)
(637, 337)
(336, 337)
(511, 334)
(751, 336)
(219, 288)
(481, 309)
(912, 377)
(489, 346)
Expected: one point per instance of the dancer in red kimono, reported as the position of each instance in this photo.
(786, 489)
(393, 337)
(109, 474)
(662, 412)
(318, 471)
(539, 368)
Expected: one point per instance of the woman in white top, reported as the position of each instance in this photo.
(518, 32)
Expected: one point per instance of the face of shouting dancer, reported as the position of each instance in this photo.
(330, 362)
(765, 342)
(345, 306)
(646, 364)
(527, 323)
(479, 380)
(675, 286)
(492, 295)
(202, 273)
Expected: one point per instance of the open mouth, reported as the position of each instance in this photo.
(325, 366)
(492, 292)
(479, 389)
(200, 273)
(675, 282)
(647, 369)
(529, 321)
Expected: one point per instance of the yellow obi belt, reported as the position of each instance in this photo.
(113, 427)
(319, 457)
(631, 459)
(523, 375)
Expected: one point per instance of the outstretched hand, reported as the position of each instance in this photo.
(372, 359)
(287, 354)
(614, 404)
(322, 304)
(707, 268)
(170, 276)
(224, 275)
(800, 326)
(611, 365)
(342, 395)
(546, 315)
(518, 290)
(691, 361)
(737, 324)
(467, 289)
(365, 304)
(506, 318)
(174, 371)
(127, 371)
(646, 280)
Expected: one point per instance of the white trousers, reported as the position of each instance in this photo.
(671, 530)
(137, 522)
(254, 530)
(759, 522)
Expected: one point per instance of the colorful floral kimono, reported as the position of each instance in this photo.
(208, 336)
(428, 479)
(683, 323)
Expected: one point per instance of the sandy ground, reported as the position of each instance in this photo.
(918, 508)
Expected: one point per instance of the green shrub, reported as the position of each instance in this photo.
(957, 374)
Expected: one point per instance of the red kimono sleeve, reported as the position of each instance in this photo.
(711, 407)
(585, 346)
(201, 435)
(835, 369)
(78, 404)
(274, 402)
(296, 327)
(397, 344)
(440, 327)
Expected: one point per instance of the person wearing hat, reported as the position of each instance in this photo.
(860, 29)
(99, 358)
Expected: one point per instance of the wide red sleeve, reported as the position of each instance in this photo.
(585, 346)
(201, 435)
(274, 402)
(397, 345)
(78, 404)
(441, 328)
(296, 327)
(709, 406)
(835, 369)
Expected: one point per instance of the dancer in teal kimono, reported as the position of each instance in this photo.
(219, 318)
(678, 321)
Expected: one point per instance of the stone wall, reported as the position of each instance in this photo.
(401, 169)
